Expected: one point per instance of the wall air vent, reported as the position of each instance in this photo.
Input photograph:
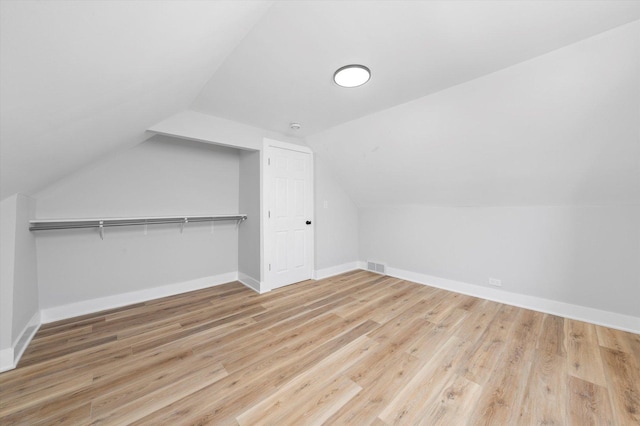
(378, 268)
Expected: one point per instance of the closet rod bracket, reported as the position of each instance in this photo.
(240, 220)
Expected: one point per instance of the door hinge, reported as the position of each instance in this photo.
(269, 266)
(268, 161)
(269, 214)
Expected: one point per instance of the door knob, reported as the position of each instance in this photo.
(308, 222)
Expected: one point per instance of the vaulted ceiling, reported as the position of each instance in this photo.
(470, 102)
(562, 128)
(282, 70)
(80, 79)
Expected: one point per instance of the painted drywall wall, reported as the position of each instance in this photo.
(583, 255)
(559, 129)
(25, 276)
(336, 220)
(249, 231)
(336, 225)
(18, 278)
(7, 259)
(162, 176)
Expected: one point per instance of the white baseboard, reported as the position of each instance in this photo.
(26, 335)
(116, 301)
(567, 310)
(10, 357)
(6, 360)
(337, 270)
(250, 282)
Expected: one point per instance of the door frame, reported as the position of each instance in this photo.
(265, 238)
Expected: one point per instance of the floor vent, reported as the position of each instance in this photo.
(378, 268)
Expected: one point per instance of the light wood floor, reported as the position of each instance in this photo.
(355, 349)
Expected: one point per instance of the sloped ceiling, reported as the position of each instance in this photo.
(282, 71)
(497, 103)
(79, 79)
(562, 128)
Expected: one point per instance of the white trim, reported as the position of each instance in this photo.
(118, 300)
(331, 271)
(10, 357)
(204, 140)
(286, 145)
(567, 310)
(250, 282)
(26, 336)
(6, 360)
(263, 212)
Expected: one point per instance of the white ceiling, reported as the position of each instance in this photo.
(79, 79)
(282, 70)
(562, 128)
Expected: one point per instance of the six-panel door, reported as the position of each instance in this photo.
(289, 200)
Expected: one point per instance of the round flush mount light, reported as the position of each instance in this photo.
(352, 75)
(295, 126)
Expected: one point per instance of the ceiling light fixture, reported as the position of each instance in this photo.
(352, 75)
(295, 126)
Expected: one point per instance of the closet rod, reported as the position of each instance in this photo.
(51, 224)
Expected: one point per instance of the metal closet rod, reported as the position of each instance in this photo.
(51, 224)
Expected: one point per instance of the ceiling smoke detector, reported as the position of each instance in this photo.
(352, 75)
(295, 126)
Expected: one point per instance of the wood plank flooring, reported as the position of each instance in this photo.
(358, 349)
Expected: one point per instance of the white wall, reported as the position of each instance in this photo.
(25, 290)
(7, 260)
(583, 255)
(249, 231)
(336, 240)
(162, 176)
(166, 176)
(336, 220)
(560, 129)
(18, 278)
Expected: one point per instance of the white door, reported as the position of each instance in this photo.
(289, 205)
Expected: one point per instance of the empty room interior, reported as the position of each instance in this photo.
(320, 212)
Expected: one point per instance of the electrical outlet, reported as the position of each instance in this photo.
(495, 282)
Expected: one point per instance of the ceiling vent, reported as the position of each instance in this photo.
(378, 268)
